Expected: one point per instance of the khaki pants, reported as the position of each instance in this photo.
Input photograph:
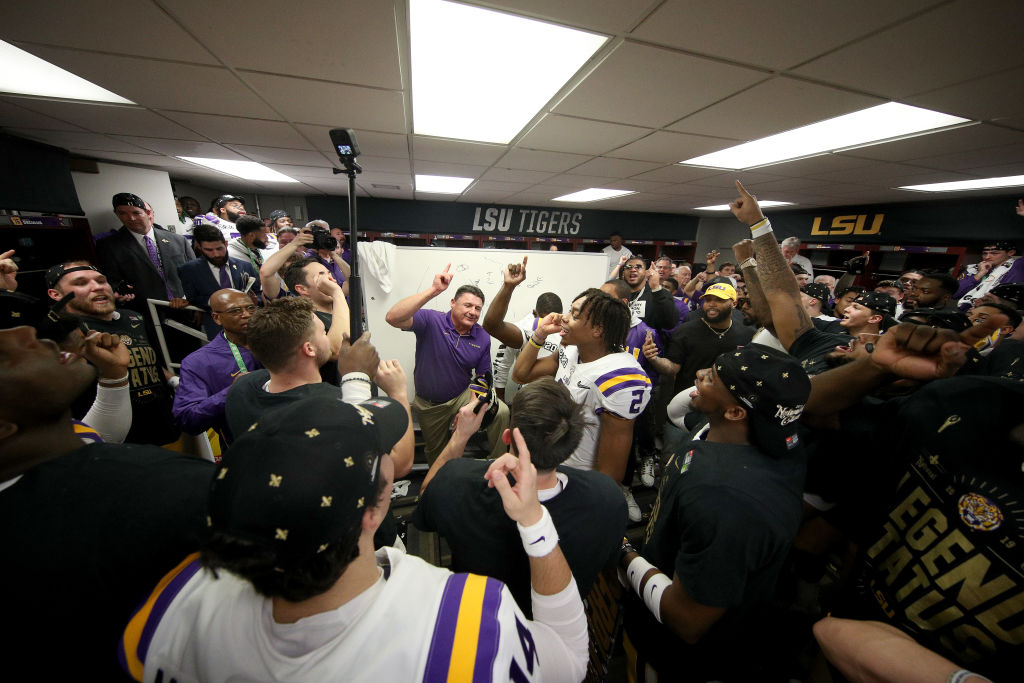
(436, 418)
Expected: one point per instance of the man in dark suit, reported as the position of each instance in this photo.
(143, 256)
(215, 270)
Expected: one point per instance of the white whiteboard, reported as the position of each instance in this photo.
(566, 273)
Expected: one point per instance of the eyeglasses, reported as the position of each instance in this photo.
(237, 310)
(635, 266)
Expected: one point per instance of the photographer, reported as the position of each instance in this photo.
(323, 248)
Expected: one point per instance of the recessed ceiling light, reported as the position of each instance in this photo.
(478, 74)
(22, 73)
(441, 184)
(764, 204)
(962, 185)
(593, 194)
(858, 129)
(249, 170)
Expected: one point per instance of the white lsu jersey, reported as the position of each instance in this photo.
(614, 383)
(422, 623)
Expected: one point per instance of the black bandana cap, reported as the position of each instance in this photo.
(773, 388)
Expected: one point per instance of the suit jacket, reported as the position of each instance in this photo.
(199, 283)
(122, 258)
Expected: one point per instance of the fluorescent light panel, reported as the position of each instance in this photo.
(592, 194)
(860, 128)
(22, 73)
(482, 75)
(962, 185)
(441, 184)
(764, 204)
(249, 170)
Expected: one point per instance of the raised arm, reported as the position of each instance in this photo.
(744, 253)
(392, 380)
(778, 283)
(269, 278)
(557, 607)
(494, 320)
(467, 423)
(401, 314)
(527, 367)
(339, 312)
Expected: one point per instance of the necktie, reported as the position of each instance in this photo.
(154, 256)
(225, 278)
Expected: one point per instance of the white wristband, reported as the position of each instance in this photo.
(656, 585)
(541, 538)
(762, 227)
(749, 263)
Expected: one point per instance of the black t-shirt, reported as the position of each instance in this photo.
(811, 347)
(247, 400)
(590, 515)
(1006, 360)
(329, 370)
(944, 561)
(723, 522)
(87, 536)
(693, 346)
(152, 421)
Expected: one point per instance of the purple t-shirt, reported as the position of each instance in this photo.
(445, 359)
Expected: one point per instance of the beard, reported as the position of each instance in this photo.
(232, 216)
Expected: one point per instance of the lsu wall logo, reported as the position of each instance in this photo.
(849, 225)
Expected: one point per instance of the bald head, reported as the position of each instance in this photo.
(231, 309)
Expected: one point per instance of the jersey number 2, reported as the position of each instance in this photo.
(638, 397)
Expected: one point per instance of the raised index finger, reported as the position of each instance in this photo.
(524, 262)
(10, 253)
(446, 268)
(743, 191)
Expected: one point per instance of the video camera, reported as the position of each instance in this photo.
(322, 239)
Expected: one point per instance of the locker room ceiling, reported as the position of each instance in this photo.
(265, 81)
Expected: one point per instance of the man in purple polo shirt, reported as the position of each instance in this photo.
(207, 374)
(450, 348)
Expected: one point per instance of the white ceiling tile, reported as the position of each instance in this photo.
(982, 99)
(989, 156)
(121, 26)
(564, 134)
(347, 41)
(497, 187)
(331, 104)
(101, 118)
(676, 174)
(183, 148)
(998, 171)
(75, 140)
(277, 155)
(615, 168)
(162, 85)
(813, 166)
(539, 160)
(916, 56)
(963, 139)
(141, 159)
(14, 115)
(241, 130)
(774, 106)
(513, 175)
(402, 179)
(668, 147)
(300, 172)
(776, 35)
(370, 142)
(385, 164)
(455, 151)
(673, 85)
(442, 168)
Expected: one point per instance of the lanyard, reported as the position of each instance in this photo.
(237, 355)
(256, 261)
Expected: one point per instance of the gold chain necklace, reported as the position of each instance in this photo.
(720, 334)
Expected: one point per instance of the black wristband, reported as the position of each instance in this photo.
(626, 548)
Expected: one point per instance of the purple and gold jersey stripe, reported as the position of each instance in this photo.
(623, 378)
(466, 631)
(85, 432)
(139, 633)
